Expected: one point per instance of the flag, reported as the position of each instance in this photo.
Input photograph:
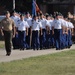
(37, 8)
(34, 8)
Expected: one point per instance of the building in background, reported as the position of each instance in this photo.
(49, 6)
(63, 6)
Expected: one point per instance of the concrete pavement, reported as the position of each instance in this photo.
(18, 55)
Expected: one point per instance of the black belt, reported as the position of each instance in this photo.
(21, 31)
(35, 30)
(57, 29)
(43, 29)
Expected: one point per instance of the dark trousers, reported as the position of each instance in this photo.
(28, 39)
(69, 38)
(52, 41)
(64, 41)
(22, 39)
(35, 40)
(15, 42)
(43, 39)
(48, 40)
(58, 38)
(8, 39)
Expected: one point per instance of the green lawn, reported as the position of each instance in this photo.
(62, 63)
(1, 44)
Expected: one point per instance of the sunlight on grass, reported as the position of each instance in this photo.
(1, 44)
(53, 64)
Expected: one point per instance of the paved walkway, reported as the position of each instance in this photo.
(18, 55)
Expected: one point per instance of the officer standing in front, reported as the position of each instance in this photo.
(7, 25)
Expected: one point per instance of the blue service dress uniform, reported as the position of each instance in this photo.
(22, 26)
(57, 27)
(15, 39)
(29, 21)
(66, 37)
(51, 36)
(64, 34)
(36, 25)
(70, 27)
(43, 43)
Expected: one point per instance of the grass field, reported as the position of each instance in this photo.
(62, 63)
(1, 44)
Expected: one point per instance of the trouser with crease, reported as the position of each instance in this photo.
(8, 39)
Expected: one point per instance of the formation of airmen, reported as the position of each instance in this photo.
(42, 31)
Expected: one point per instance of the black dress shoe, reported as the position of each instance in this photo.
(34, 49)
(69, 47)
(37, 49)
(8, 54)
(57, 49)
(40, 48)
(22, 48)
(27, 48)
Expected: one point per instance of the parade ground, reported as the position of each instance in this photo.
(19, 55)
(41, 62)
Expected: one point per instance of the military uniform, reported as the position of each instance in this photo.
(63, 43)
(7, 25)
(22, 26)
(28, 39)
(73, 36)
(57, 28)
(15, 39)
(51, 36)
(36, 25)
(70, 27)
(43, 36)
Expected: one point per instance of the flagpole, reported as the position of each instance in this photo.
(13, 4)
(33, 13)
(31, 28)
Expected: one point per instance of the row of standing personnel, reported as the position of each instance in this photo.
(39, 32)
(42, 32)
